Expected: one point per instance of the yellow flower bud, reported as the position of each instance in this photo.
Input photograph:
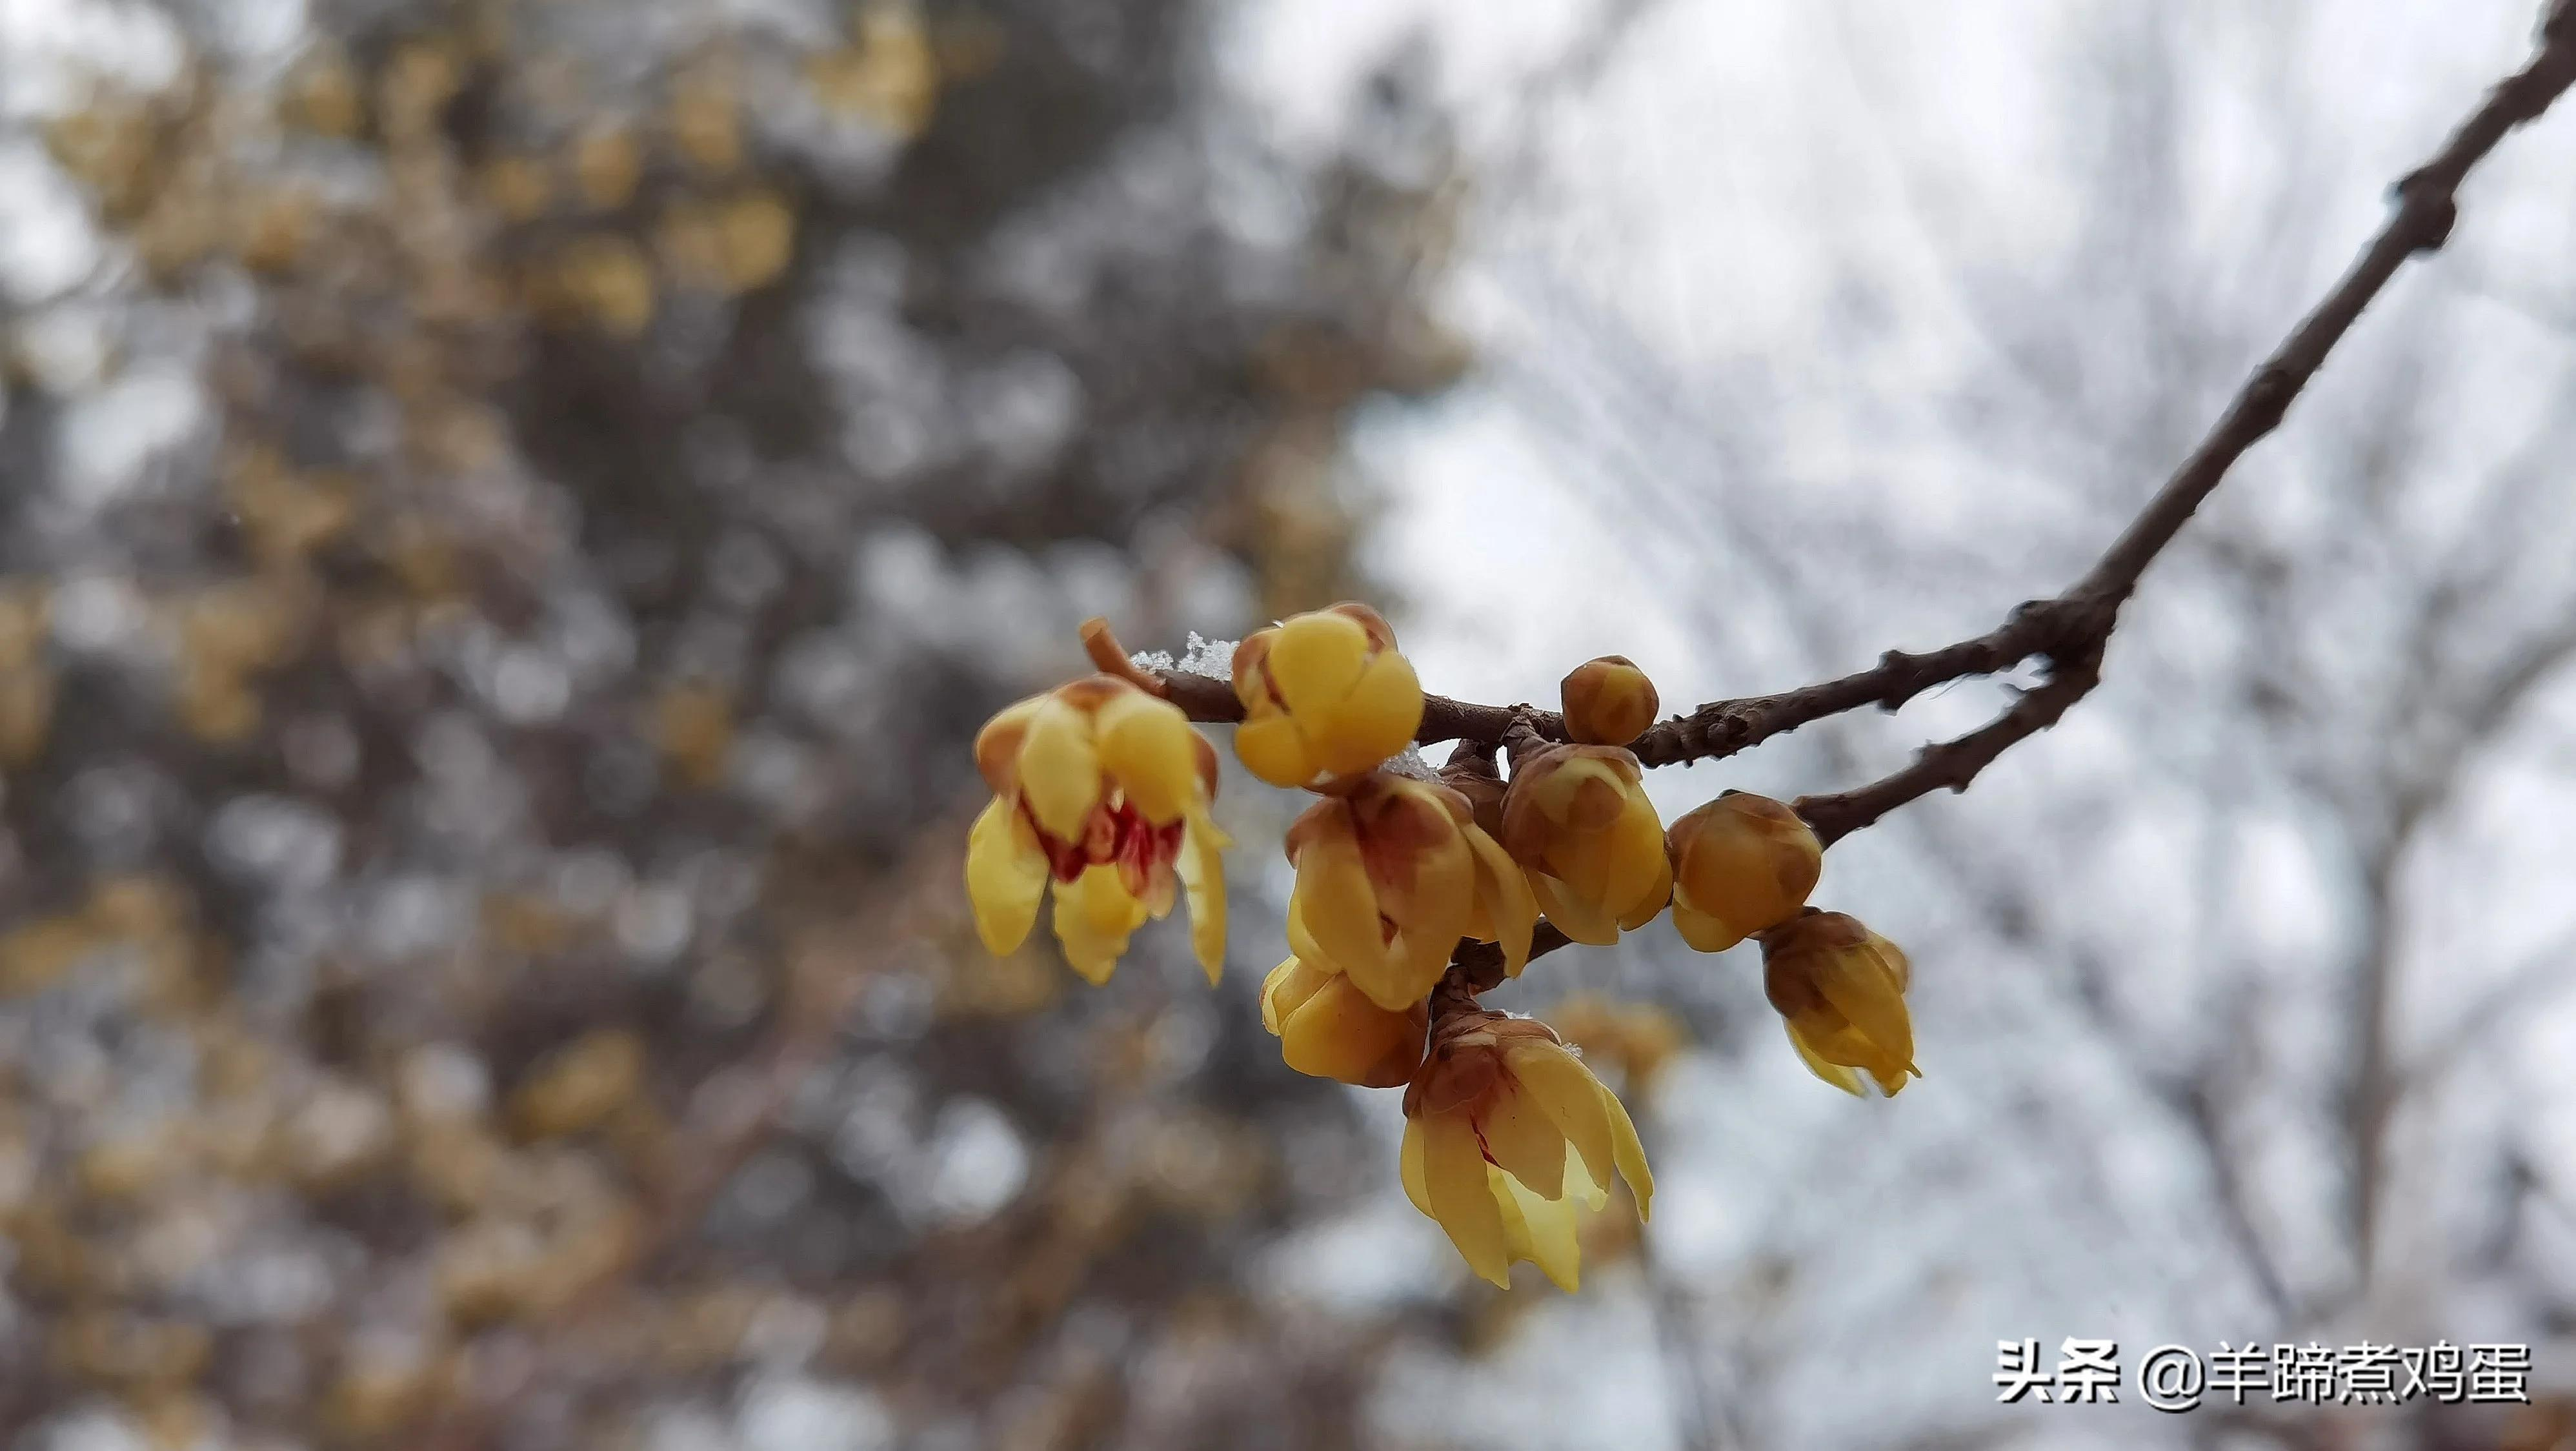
(1324, 695)
(1608, 701)
(1328, 1028)
(1390, 875)
(1577, 820)
(1741, 864)
(1104, 791)
(1841, 987)
(1505, 1133)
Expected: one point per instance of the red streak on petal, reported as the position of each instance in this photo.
(1114, 835)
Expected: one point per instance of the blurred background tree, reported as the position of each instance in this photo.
(512, 511)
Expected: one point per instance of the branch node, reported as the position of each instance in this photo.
(1110, 658)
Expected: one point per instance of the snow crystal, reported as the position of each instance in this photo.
(1410, 762)
(1211, 658)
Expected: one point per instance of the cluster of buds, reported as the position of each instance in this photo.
(1103, 791)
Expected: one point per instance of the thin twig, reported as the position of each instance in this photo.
(2067, 633)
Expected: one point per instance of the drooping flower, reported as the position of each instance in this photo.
(1741, 864)
(1327, 1027)
(1103, 790)
(1841, 988)
(1324, 695)
(1608, 701)
(1505, 1133)
(1390, 875)
(1577, 819)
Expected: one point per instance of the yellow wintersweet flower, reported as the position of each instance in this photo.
(1103, 790)
(1608, 701)
(1842, 989)
(1577, 818)
(1324, 695)
(1505, 1133)
(1741, 864)
(1327, 1027)
(1390, 875)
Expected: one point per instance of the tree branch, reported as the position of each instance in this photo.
(2068, 632)
(2531, 983)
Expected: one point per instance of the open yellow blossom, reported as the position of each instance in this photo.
(1506, 1132)
(1577, 818)
(1327, 1027)
(1741, 864)
(1102, 790)
(1608, 701)
(1390, 875)
(1324, 695)
(1842, 989)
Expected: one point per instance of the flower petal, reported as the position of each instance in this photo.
(1339, 904)
(1506, 906)
(1426, 884)
(1836, 1074)
(1301, 943)
(1315, 659)
(1338, 1033)
(1285, 990)
(1862, 988)
(1579, 1186)
(1408, 1168)
(1639, 876)
(1059, 769)
(1430, 914)
(1202, 872)
(1273, 748)
(1546, 1238)
(1376, 720)
(1650, 902)
(1579, 920)
(1521, 1138)
(997, 745)
(1094, 916)
(1148, 748)
(1453, 1173)
(1571, 1096)
(1405, 976)
(1703, 931)
(1006, 875)
(1629, 1152)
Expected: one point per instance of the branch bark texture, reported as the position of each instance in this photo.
(2068, 632)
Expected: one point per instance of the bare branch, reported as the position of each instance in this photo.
(2427, 206)
(2531, 983)
(2067, 633)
